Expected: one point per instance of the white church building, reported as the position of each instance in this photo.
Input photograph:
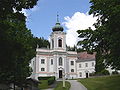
(56, 60)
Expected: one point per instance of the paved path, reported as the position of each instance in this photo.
(75, 85)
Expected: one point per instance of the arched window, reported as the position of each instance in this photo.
(72, 70)
(52, 43)
(60, 61)
(59, 42)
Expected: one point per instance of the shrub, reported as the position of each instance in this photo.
(51, 80)
(92, 74)
(105, 72)
(115, 72)
(43, 78)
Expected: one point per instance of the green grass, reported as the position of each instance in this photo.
(43, 84)
(102, 83)
(60, 86)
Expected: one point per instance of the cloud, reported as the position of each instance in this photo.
(35, 8)
(79, 21)
(25, 12)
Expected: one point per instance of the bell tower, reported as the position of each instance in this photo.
(58, 37)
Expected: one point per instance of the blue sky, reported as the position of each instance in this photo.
(42, 17)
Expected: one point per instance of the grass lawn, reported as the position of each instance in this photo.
(60, 84)
(102, 83)
(44, 84)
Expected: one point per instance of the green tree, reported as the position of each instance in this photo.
(106, 37)
(16, 42)
(41, 42)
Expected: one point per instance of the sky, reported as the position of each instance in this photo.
(73, 16)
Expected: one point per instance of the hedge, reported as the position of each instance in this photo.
(50, 79)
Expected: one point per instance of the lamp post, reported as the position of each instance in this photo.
(63, 75)
(63, 78)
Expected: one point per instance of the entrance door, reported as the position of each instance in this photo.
(60, 73)
(86, 75)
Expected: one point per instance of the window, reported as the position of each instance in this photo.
(42, 61)
(86, 64)
(60, 61)
(80, 74)
(72, 70)
(60, 43)
(80, 65)
(51, 61)
(72, 62)
(33, 63)
(52, 43)
(42, 69)
(92, 64)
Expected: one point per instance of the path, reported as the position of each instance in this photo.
(75, 85)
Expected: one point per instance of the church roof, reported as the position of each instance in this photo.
(84, 56)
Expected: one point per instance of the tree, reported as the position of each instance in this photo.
(16, 42)
(106, 37)
(41, 42)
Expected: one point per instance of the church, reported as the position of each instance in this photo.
(57, 61)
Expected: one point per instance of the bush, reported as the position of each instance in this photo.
(51, 80)
(105, 72)
(43, 78)
(92, 74)
(115, 72)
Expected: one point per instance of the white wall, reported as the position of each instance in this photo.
(83, 69)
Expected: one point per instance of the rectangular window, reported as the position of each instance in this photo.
(80, 74)
(51, 61)
(86, 64)
(42, 61)
(80, 65)
(42, 69)
(92, 64)
(72, 62)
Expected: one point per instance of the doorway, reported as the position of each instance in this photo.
(60, 73)
(86, 75)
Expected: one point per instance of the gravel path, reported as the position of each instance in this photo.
(75, 85)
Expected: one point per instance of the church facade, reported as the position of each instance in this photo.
(56, 60)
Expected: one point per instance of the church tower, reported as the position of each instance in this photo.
(58, 37)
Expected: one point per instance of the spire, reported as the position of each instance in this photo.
(57, 17)
(57, 26)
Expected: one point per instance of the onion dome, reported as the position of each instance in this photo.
(57, 26)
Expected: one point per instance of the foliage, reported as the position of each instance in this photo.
(8, 7)
(60, 86)
(71, 48)
(16, 42)
(105, 72)
(51, 80)
(115, 72)
(41, 42)
(105, 39)
(102, 83)
(45, 78)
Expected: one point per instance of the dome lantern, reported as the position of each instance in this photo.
(57, 26)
